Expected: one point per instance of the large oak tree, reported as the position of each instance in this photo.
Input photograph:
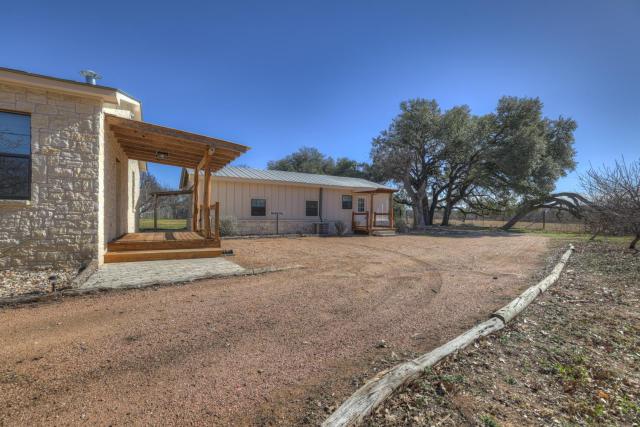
(455, 160)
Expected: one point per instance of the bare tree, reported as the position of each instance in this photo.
(148, 185)
(614, 194)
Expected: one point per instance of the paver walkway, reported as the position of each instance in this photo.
(146, 273)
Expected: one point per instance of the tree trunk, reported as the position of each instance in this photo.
(418, 218)
(432, 207)
(634, 241)
(448, 207)
(445, 216)
(426, 210)
(517, 217)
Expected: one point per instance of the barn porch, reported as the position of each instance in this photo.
(158, 144)
(374, 220)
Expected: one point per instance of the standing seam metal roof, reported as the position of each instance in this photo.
(297, 178)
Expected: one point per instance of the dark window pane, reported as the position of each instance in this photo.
(258, 207)
(15, 133)
(347, 202)
(312, 208)
(14, 177)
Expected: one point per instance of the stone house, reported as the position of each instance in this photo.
(71, 154)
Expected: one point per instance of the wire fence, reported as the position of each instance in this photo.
(173, 212)
(539, 220)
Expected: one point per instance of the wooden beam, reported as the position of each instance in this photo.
(217, 212)
(391, 213)
(164, 162)
(206, 159)
(371, 213)
(160, 144)
(155, 212)
(133, 151)
(143, 127)
(196, 207)
(206, 203)
(190, 155)
(161, 140)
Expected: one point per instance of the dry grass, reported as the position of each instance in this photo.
(572, 358)
(526, 225)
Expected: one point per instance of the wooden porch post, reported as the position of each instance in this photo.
(196, 207)
(207, 202)
(217, 212)
(155, 212)
(391, 213)
(371, 214)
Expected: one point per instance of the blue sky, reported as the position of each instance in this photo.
(330, 74)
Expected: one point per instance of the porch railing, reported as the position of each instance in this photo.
(213, 231)
(382, 219)
(360, 220)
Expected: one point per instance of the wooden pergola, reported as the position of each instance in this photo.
(159, 144)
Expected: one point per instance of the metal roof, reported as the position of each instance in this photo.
(299, 178)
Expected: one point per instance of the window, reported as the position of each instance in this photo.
(347, 201)
(15, 156)
(360, 204)
(312, 208)
(258, 207)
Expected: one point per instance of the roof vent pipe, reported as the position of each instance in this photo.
(90, 76)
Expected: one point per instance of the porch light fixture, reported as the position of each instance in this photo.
(162, 155)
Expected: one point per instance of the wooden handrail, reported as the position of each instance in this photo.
(358, 226)
(387, 214)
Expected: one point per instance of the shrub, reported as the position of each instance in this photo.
(228, 226)
(341, 228)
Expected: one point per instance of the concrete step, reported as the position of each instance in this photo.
(162, 254)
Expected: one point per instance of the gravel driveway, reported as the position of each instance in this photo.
(280, 348)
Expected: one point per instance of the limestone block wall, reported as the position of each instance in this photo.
(59, 225)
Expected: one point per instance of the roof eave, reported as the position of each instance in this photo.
(105, 93)
(305, 184)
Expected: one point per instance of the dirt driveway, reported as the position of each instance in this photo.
(278, 348)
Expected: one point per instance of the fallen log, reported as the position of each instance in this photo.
(375, 391)
(516, 306)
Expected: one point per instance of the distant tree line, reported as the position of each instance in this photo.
(311, 160)
(508, 160)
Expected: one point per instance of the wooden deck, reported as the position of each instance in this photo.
(161, 246)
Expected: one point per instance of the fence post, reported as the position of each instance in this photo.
(155, 212)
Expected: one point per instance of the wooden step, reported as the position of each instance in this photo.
(384, 233)
(129, 245)
(161, 254)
